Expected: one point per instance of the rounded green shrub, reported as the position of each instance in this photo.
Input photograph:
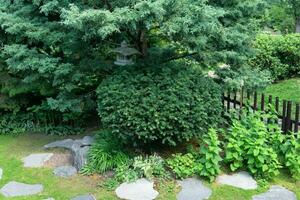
(280, 54)
(168, 105)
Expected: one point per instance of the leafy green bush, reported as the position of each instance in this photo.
(291, 152)
(168, 105)
(182, 166)
(208, 158)
(105, 154)
(149, 167)
(278, 53)
(250, 146)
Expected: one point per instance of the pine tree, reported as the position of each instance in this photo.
(56, 52)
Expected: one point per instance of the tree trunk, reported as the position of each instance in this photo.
(297, 25)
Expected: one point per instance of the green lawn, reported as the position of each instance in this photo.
(12, 149)
(287, 89)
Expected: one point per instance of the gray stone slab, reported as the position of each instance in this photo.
(67, 143)
(240, 180)
(142, 189)
(50, 199)
(276, 192)
(1, 173)
(15, 189)
(84, 197)
(193, 189)
(36, 160)
(65, 171)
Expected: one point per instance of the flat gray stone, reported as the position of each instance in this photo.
(141, 189)
(240, 180)
(193, 189)
(65, 171)
(36, 160)
(15, 189)
(1, 173)
(276, 192)
(84, 197)
(50, 199)
(67, 143)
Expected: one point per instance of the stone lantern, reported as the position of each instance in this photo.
(125, 54)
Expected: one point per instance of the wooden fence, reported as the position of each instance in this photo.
(288, 111)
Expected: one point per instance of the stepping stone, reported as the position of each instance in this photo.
(142, 189)
(1, 173)
(65, 171)
(36, 160)
(193, 189)
(50, 199)
(276, 192)
(15, 189)
(240, 180)
(84, 197)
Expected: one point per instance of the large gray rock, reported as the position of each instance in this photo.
(36, 160)
(84, 197)
(65, 171)
(142, 189)
(276, 192)
(240, 180)
(15, 189)
(67, 144)
(1, 173)
(193, 189)
(87, 141)
(79, 149)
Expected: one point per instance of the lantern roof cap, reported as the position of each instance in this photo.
(125, 50)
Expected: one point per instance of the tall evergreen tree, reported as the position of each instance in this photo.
(56, 52)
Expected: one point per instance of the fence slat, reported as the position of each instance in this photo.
(288, 125)
(234, 100)
(277, 107)
(283, 119)
(296, 128)
(228, 100)
(262, 102)
(255, 101)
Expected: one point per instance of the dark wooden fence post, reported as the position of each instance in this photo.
(283, 119)
(234, 100)
(262, 102)
(255, 101)
(296, 128)
(228, 100)
(277, 107)
(288, 121)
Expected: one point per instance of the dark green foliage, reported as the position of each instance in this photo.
(279, 54)
(251, 79)
(208, 157)
(107, 153)
(169, 105)
(291, 153)
(182, 166)
(54, 54)
(15, 124)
